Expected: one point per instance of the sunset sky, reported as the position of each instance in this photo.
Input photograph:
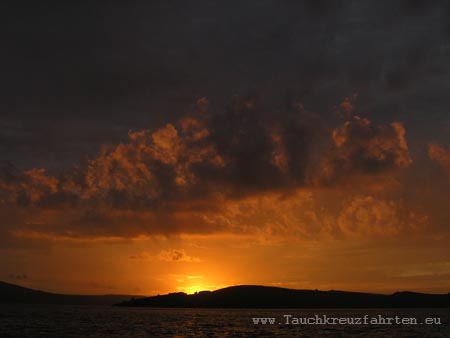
(162, 146)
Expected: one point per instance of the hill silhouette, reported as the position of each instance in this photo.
(242, 296)
(251, 296)
(11, 293)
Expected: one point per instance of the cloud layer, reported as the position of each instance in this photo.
(360, 147)
(239, 152)
(177, 178)
(441, 155)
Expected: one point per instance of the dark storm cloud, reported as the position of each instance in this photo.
(262, 150)
(71, 68)
(76, 78)
(363, 148)
(243, 151)
(180, 177)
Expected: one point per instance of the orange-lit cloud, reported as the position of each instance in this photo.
(371, 217)
(346, 107)
(242, 171)
(167, 255)
(441, 155)
(176, 255)
(361, 147)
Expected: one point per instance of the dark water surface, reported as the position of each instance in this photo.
(17, 320)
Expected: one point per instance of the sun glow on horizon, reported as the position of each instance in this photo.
(195, 288)
(191, 289)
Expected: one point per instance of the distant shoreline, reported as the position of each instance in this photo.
(238, 297)
(11, 293)
(251, 296)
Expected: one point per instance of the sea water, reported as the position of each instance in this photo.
(61, 321)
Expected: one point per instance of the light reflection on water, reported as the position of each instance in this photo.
(58, 321)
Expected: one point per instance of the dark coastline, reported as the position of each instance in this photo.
(11, 293)
(243, 296)
(248, 296)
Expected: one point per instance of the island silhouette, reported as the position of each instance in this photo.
(11, 293)
(255, 296)
(241, 296)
